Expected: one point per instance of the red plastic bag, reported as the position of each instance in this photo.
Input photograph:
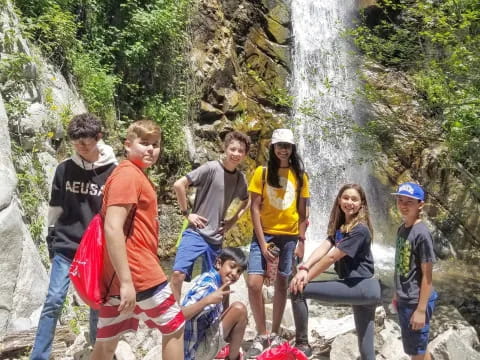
(86, 269)
(282, 352)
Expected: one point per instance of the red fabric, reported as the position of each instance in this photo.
(86, 269)
(283, 352)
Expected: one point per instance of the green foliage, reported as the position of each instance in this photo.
(96, 84)
(55, 32)
(277, 96)
(438, 44)
(32, 190)
(12, 74)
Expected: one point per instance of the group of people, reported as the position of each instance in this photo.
(203, 324)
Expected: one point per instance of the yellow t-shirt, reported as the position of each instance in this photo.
(278, 211)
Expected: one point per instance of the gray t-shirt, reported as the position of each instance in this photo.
(216, 189)
(414, 247)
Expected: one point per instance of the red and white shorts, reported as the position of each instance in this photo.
(158, 311)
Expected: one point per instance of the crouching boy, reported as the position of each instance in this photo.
(135, 286)
(211, 322)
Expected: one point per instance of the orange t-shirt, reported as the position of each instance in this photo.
(128, 184)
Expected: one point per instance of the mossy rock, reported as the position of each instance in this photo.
(279, 53)
(278, 10)
(280, 33)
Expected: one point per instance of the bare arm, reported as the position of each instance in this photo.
(417, 321)
(115, 239)
(325, 262)
(256, 202)
(320, 260)
(216, 297)
(303, 212)
(180, 186)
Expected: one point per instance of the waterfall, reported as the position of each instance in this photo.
(324, 85)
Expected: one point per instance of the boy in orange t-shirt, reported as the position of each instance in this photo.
(134, 284)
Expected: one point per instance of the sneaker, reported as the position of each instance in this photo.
(259, 344)
(223, 353)
(305, 348)
(276, 340)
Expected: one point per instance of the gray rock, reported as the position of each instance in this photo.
(24, 289)
(154, 353)
(345, 347)
(7, 172)
(388, 342)
(455, 345)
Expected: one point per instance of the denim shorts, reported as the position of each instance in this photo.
(286, 243)
(192, 246)
(415, 341)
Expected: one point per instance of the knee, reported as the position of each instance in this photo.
(239, 308)
(255, 284)
(240, 311)
(104, 350)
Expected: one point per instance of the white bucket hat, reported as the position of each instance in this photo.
(282, 136)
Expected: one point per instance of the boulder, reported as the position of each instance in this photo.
(455, 345)
(280, 33)
(124, 351)
(388, 342)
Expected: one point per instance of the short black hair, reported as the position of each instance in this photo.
(235, 254)
(85, 125)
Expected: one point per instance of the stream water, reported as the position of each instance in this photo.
(324, 86)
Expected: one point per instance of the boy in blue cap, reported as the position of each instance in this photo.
(414, 257)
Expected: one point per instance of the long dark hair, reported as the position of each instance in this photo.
(337, 216)
(273, 165)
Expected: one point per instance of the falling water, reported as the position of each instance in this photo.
(325, 84)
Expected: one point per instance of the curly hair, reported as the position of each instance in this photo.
(85, 125)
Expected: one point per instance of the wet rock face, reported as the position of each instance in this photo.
(240, 57)
(412, 149)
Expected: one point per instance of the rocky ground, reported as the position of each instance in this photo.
(332, 335)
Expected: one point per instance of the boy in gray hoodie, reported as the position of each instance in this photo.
(77, 194)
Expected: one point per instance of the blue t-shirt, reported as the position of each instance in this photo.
(358, 263)
(196, 327)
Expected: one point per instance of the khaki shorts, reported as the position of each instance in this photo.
(212, 343)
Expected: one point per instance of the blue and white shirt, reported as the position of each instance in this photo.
(196, 327)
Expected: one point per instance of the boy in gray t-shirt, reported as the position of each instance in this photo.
(414, 257)
(217, 183)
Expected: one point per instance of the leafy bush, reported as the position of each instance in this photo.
(438, 43)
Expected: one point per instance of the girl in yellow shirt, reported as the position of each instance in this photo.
(279, 195)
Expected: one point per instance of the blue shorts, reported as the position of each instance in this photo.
(415, 341)
(192, 246)
(286, 243)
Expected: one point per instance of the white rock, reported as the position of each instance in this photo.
(124, 351)
(450, 345)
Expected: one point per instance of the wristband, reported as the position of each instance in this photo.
(301, 238)
(303, 267)
(185, 213)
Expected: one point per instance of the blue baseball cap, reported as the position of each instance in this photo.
(411, 190)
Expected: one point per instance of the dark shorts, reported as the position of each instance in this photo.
(286, 243)
(415, 341)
